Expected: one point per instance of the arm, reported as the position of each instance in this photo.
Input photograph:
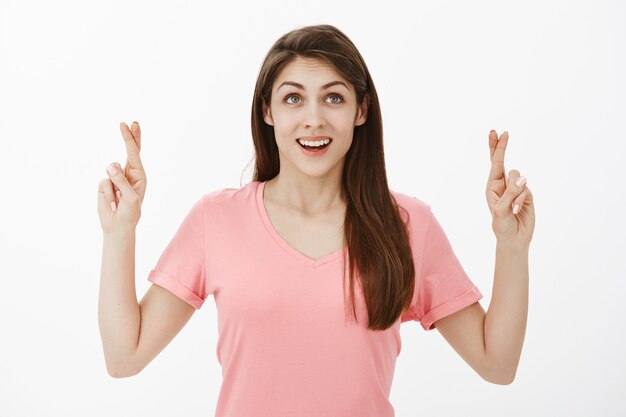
(118, 310)
(491, 342)
(134, 334)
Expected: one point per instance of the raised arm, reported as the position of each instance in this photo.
(132, 333)
(491, 342)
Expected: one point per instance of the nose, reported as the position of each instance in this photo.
(314, 116)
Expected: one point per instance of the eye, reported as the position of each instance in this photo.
(289, 96)
(338, 96)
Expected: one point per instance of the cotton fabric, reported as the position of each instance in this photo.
(285, 345)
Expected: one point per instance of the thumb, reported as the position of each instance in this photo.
(119, 179)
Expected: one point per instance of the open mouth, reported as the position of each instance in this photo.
(314, 145)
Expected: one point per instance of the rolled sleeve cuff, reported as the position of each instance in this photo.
(452, 306)
(175, 287)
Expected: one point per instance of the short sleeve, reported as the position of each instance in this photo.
(181, 267)
(444, 286)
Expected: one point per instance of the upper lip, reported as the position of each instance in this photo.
(314, 137)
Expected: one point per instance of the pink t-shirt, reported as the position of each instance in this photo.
(285, 345)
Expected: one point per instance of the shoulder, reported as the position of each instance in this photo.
(228, 200)
(417, 208)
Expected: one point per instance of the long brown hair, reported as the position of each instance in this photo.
(374, 233)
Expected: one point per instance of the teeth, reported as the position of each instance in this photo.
(314, 143)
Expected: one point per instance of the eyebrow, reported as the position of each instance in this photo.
(301, 87)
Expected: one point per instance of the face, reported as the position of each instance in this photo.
(323, 104)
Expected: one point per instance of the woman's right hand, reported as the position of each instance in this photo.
(121, 194)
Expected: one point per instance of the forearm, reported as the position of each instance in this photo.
(118, 311)
(505, 321)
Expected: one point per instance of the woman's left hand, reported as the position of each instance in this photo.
(504, 194)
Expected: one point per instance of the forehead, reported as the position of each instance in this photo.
(308, 71)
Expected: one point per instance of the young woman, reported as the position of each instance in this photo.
(315, 263)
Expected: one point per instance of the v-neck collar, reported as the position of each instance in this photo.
(282, 242)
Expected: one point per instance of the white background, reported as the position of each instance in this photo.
(551, 73)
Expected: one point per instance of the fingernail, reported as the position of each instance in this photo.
(113, 207)
(516, 209)
(136, 123)
(111, 169)
(520, 181)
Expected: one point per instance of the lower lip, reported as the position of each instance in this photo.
(315, 152)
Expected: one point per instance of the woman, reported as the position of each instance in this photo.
(315, 239)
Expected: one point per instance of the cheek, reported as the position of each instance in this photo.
(284, 122)
(341, 120)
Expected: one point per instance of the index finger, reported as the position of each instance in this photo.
(497, 148)
(136, 131)
(132, 142)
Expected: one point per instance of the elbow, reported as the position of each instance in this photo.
(117, 371)
(118, 375)
(115, 374)
(499, 370)
(500, 375)
(500, 379)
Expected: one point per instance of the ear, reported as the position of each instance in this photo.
(267, 116)
(361, 116)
